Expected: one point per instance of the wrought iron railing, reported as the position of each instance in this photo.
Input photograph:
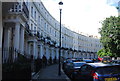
(15, 68)
(27, 28)
(10, 55)
(20, 7)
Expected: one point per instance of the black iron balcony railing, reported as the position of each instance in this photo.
(27, 28)
(20, 8)
(38, 34)
(34, 32)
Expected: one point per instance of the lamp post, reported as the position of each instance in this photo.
(59, 71)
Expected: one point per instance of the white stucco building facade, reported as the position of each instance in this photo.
(31, 30)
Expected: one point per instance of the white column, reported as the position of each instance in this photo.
(52, 54)
(22, 40)
(31, 49)
(1, 33)
(28, 48)
(16, 39)
(34, 49)
(1, 30)
(6, 38)
(6, 44)
(87, 55)
(41, 51)
(17, 35)
(81, 55)
(73, 54)
(92, 56)
(66, 54)
(47, 53)
(62, 53)
(57, 54)
(76, 55)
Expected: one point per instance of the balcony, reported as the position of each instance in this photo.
(27, 29)
(34, 32)
(20, 9)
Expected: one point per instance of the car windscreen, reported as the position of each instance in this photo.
(109, 70)
(78, 64)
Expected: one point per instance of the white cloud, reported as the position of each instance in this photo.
(111, 2)
(82, 15)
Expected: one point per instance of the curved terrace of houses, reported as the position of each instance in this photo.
(50, 28)
(31, 30)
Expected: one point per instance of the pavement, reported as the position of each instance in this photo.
(50, 73)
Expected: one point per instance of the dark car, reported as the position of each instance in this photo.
(116, 61)
(88, 60)
(66, 63)
(99, 72)
(107, 59)
(74, 68)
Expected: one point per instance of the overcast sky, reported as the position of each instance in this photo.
(82, 15)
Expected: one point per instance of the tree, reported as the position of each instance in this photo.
(110, 35)
(104, 52)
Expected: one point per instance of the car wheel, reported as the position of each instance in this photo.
(72, 77)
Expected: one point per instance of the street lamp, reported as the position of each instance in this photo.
(59, 71)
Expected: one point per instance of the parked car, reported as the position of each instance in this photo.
(74, 68)
(116, 61)
(88, 60)
(67, 62)
(99, 72)
(107, 59)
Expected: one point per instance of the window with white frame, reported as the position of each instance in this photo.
(35, 30)
(39, 5)
(31, 11)
(31, 26)
(45, 25)
(39, 19)
(35, 15)
(50, 29)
